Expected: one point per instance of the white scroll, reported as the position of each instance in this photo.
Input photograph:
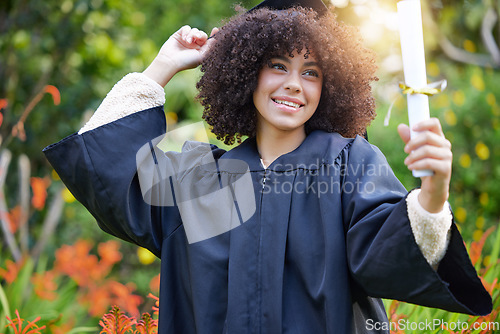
(412, 49)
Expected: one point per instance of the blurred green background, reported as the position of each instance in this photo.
(76, 50)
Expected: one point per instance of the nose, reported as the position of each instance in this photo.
(293, 83)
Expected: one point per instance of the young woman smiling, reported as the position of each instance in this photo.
(287, 95)
(302, 227)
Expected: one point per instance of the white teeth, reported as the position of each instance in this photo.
(288, 103)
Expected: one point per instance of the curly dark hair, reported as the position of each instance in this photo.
(248, 42)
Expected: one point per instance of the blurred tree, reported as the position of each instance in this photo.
(469, 33)
(81, 47)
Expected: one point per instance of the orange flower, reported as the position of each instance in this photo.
(154, 285)
(122, 296)
(14, 218)
(98, 299)
(108, 251)
(17, 325)
(52, 90)
(44, 285)
(489, 286)
(90, 272)
(394, 317)
(39, 186)
(116, 322)
(476, 247)
(155, 308)
(147, 325)
(76, 262)
(63, 328)
(487, 321)
(109, 292)
(10, 274)
(3, 103)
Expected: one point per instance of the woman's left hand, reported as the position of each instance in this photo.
(429, 149)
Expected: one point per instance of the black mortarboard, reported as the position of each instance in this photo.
(317, 5)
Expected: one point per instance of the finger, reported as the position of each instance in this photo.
(439, 167)
(206, 47)
(197, 36)
(429, 152)
(191, 36)
(214, 31)
(201, 38)
(404, 132)
(432, 124)
(427, 138)
(184, 31)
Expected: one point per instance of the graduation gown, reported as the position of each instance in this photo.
(326, 236)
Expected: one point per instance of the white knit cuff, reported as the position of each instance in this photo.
(431, 230)
(133, 93)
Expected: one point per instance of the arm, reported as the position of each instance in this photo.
(428, 210)
(185, 49)
(140, 91)
(382, 250)
(98, 164)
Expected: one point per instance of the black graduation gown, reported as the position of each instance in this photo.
(329, 228)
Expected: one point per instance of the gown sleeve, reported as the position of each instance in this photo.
(383, 256)
(99, 168)
(431, 230)
(115, 168)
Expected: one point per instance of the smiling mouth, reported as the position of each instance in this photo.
(288, 103)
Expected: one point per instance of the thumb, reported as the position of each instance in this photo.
(404, 132)
(211, 40)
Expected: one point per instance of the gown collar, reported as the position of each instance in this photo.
(310, 155)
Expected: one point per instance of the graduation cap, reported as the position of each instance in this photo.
(316, 5)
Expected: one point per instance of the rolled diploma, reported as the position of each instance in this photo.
(412, 49)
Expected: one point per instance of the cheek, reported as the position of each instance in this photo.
(315, 93)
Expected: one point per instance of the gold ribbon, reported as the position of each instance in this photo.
(432, 89)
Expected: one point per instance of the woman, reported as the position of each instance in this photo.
(312, 227)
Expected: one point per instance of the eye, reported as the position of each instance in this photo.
(278, 66)
(312, 73)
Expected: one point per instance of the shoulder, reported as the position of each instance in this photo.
(343, 151)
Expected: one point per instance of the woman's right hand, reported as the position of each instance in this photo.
(185, 49)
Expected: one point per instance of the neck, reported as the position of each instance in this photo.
(273, 144)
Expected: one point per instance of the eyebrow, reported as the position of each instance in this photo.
(307, 64)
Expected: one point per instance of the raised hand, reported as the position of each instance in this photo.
(429, 150)
(185, 49)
